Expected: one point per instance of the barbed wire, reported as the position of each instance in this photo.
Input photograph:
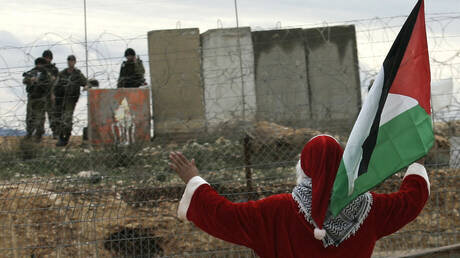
(124, 204)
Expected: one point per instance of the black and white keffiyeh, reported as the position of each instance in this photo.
(341, 227)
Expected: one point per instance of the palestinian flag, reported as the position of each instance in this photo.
(394, 127)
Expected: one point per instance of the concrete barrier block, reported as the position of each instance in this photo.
(177, 90)
(281, 77)
(228, 75)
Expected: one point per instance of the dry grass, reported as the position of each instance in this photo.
(48, 220)
(43, 217)
(61, 219)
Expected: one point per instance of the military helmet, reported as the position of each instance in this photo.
(47, 53)
(130, 52)
(93, 82)
(71, 57)
(41, 61)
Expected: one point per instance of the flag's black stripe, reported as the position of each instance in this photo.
(390, 67)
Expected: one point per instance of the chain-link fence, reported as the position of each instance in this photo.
(121, 201)
(128, 207)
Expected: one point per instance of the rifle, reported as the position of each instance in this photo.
(30, 78)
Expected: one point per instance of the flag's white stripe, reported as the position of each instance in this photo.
(395, 105)
(353, 151)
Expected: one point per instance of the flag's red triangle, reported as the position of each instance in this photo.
(413, 77)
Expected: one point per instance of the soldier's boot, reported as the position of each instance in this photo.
(63, 141)
(67, 139)
(54, 125)
(38, 134)
(55, 131)
(38, 138)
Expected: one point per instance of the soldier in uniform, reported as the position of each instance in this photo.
(132, 71)
(37, 83)
(50, 105)
(67, 93)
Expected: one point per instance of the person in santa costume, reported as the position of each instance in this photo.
(298, 224)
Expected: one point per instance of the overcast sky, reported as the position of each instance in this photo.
(28, 22)
(28, 19)
(35, 24)
(40, 22)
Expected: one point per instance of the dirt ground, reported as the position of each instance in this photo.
(71, 223)
(116, 217)
(71, 218)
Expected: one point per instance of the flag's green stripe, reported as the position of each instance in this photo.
(401, 141)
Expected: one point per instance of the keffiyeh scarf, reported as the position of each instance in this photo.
(341, 227)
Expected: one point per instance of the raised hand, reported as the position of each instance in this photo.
(184, 168)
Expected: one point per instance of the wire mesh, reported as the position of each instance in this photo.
(121, 201)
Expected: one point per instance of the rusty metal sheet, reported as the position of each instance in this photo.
(119, 116)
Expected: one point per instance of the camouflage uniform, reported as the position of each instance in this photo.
(131, 74)
(37, 93)
(67, 93)
(50, 105)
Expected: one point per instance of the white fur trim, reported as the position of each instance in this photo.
(419, 170)
(300, 175)
(319, 233)
(325, 135)
(190, 189)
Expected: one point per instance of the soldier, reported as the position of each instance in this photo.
(50, 105)
(132, 71)
(37, 83)
(67, 93)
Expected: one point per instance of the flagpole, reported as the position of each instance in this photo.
(241, 61)
(247, 141)
(86, 39)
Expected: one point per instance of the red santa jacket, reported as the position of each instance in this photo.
(274, 226)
